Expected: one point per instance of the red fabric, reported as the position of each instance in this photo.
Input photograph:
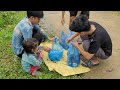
(34, 68)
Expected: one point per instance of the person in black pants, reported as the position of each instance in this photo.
(73, 15)
(95, 40)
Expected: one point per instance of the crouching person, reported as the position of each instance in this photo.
(32, 56)
(96, 40)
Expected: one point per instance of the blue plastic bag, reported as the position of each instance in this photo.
(73, 56)
(63, 42)
(56, 52)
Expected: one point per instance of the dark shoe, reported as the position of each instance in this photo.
(89, 64)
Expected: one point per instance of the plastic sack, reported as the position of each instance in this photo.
(56, 52)
(63, 42)
(73, 56)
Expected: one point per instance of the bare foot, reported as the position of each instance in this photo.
(36, 73)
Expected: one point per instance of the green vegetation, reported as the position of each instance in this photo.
(116, 12)
(10, 65)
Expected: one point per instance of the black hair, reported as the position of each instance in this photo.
(39, 14)
(29, 44)
(80, 24)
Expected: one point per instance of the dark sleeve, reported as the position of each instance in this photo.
(94, 46)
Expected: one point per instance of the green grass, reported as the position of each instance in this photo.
(116, 13)
(10, 65)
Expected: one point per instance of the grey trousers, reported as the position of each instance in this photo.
(99, 54)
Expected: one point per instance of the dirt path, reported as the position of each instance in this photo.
(108, 69)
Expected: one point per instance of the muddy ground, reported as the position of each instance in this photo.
(108, 69)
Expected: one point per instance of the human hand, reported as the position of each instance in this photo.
(39, 54)
(51, 39)
(68, 39)
(47, 49)
(75, 44)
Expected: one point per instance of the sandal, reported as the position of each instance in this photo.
(89, 64)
